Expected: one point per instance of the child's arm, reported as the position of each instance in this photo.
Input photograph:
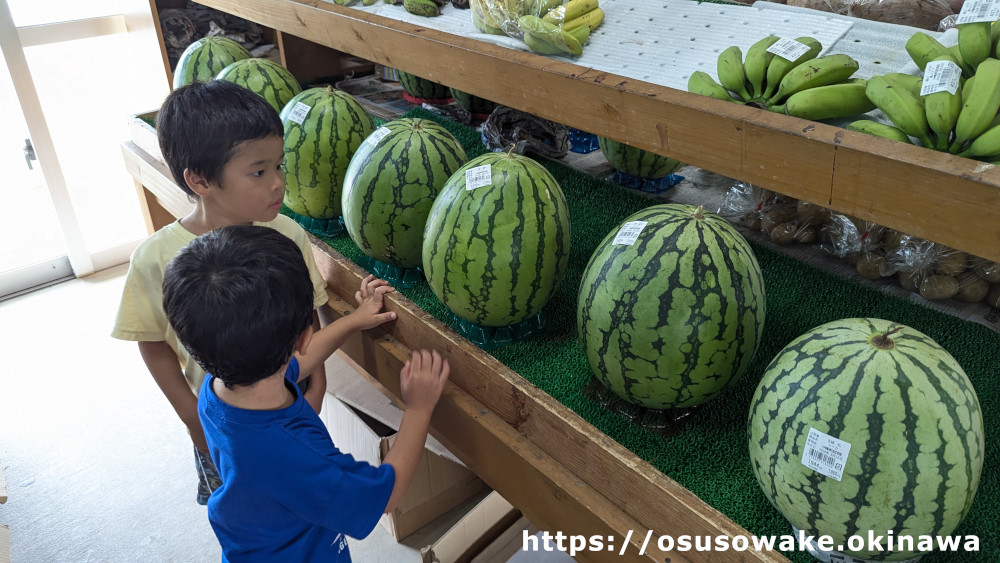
(163, 365)
(317, 378)
(421, 380)
(326, 341)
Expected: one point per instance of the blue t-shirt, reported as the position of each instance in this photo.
(287, 494)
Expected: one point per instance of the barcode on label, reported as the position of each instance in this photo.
(974, 11)
(299, 112)
(940, 76)
(377, 136)
(478, 177)
(788, 49)
(629, 233)
(825, 454)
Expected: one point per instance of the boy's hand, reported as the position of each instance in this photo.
(369, 299)
(422, 379)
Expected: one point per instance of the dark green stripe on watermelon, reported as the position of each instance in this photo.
(206, 58)
(390, 186)
(910, 414)
(637, 162)
(474, 104)
(267, 79)
(495, 255)
(319, 150)
(422, 88)
(674, 319)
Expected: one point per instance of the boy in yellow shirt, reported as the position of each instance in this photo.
(224, 147)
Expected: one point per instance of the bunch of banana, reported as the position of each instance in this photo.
(808, 87)
(923, 49)
(553, 28)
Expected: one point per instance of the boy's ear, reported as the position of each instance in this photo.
(304, 339)
(198, 183)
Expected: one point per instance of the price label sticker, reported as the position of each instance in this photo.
(825, 454)
(299, 112)
(788, 49)
(629, 233)
(974, 11)
(377, 136)
(478, 177)
(940, 76)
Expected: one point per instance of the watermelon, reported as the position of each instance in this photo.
(205, 58)
(391, 183)
(637, 162)
(495, 254)
(673, 318)
(267, 79)
(323, 128)
(421, 88)
(474, 104)
(907, 411)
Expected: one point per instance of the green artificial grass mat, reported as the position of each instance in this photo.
(708, 452)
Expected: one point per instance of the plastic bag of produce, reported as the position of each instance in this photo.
(925, 14)
(549, 27)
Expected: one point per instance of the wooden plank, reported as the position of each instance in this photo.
(154, 176)
(514, 436)
(153, 214)
(789, 155)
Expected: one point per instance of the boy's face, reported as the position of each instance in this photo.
(252, 182)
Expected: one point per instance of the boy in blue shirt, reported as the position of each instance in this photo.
(240, 300)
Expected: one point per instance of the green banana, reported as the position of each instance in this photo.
(956, 54)
(974, 43)
(967, 89)
(828, 102)
(830, 69)
(780, 66)
(731, 73)
(980, 107)
(540, 45)
(756, 62)
(986, 144)
(994, 37)
(426, 8)
(942, 109)
(569, 11)
(908, 81)
(541, 7)
(879, 130)
(905, 110)
(703, 83)
(550, 33)
(923, 49)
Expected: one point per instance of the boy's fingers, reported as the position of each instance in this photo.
(426, 360)
(405, 372)
(385, 317)
(436, 362)
(445, 371)
(415, 361)
(358, 297)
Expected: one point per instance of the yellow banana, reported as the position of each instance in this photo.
(570, 11)
(980, 107)
(540, 7)
(905, 110)
(756, 62)
(908, 81)
(879, 130)
(780, 66)
(828, 102)
(591, 19)
(942, 109)
(830, 69)
(974, 43)
(986, 144)
(731, 73)
(702, 83)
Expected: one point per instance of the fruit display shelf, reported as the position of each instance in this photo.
(523, 418)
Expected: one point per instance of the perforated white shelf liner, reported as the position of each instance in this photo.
(660, 42)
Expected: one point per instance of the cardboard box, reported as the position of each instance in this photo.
(492, 518)
(439, 484)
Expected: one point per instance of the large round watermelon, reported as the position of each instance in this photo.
(421, 88)
(267, 79)
(391, 184)
(206, 58)
(671, 307)
(637, 162)
(474, 104)
(889, 424)
(323, 129)
(496, 242)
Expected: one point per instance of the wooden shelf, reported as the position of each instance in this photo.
(951, 200)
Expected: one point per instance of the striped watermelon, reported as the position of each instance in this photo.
(909, 413)
(673, 319)
(391, 184)
(323, 128)
(422, 88)
(637, 162)
(474, 104)
(494, 255)
(205, 58)
(265, 78)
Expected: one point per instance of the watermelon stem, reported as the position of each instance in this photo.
(883, 342)
(511, 151)
(698, 213)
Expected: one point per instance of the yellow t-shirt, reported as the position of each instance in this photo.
(140, 314)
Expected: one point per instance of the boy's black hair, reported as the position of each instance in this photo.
(201, 125)
(238, 298)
